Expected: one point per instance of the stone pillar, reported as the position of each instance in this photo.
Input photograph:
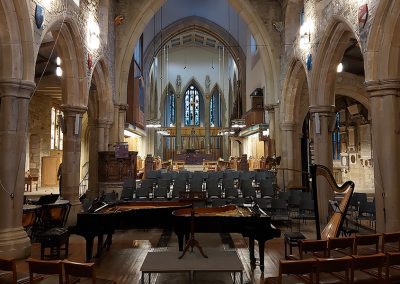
(272, 132)
(115, 127)
(178, 122)
(288, 129)
(72, 157)
(207, 122)
(93, 189)
(276, 133)
(121, 121)
(323, 117)
(385, 114)
(107, 130)
(15, 95)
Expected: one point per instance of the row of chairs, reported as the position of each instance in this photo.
(362, 210)
(213, 186)
(50, 272)
(323, 259)
(345, 246)
(376, 268)
(240, 175)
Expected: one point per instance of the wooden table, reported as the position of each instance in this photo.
(28, 182)
(169, 262)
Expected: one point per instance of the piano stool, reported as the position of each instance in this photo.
(169, 262)
(54, 238)
(292, 240)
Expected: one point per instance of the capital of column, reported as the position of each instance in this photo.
(288, 126)
(322, 110)
(123, 107)
(271, 107)
(16, 88)
(382, 88)
(72, 110)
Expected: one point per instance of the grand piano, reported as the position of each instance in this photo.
(104, 219)
(250, 222)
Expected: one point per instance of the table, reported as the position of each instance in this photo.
(169, 262)
(28, 182)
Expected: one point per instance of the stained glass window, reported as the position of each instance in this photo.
(192, 106)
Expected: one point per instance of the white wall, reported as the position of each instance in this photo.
(195, 63)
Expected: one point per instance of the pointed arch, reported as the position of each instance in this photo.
(193, 93)
(16, 41)
(168, 105)
(70, 48)
(296, 77)
(323, 76)
(136, 24)
(215, 106)
(383, 45)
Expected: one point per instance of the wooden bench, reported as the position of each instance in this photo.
(169, 262)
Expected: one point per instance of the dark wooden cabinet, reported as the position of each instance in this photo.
(115, 170)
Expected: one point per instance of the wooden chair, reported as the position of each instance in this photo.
(367, 268)
(8, 271)
(301, 271)
(339, 247)
(328, 270)
(313, 248)
(51, 268)
(82, 270)
(369, 244)
(392, 271)
(390, 242)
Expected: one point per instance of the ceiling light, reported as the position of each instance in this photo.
(59, 71)
(58, 61)
(339, 68)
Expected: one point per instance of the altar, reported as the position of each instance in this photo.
(193, 157)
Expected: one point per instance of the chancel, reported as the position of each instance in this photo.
(265, 133)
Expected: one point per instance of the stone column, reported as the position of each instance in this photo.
(276, 133)
(107, 130)
(15, 95)
(114, 127)
(323, 117)
(93, 189)
(178, 122)
(72, 157)
(121, 121)
(272, 132)
(288, 129)
(101, 130)
(207, 122)
(385, 114)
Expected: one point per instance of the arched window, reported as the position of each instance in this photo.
(214, 110)
(192, 106)
(170, 110)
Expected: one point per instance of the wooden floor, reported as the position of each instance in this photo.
(123, 261)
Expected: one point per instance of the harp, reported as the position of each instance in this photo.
(332, 228)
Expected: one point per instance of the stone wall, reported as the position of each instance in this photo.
(38, 132)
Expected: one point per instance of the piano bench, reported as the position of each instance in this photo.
(54, 238)
(292, 240)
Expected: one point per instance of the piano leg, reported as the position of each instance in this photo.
(180, 241)
(261, 246)
(99, 245)
(251, 251)
(89, 248)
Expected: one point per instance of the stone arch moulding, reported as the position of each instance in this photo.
(16, 41)
(333, 45)
(295, 78)
(102, 79)
(136, 24)
(383, 45)
(199, 24)
(73, 54)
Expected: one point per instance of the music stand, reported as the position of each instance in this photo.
(192, 242)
